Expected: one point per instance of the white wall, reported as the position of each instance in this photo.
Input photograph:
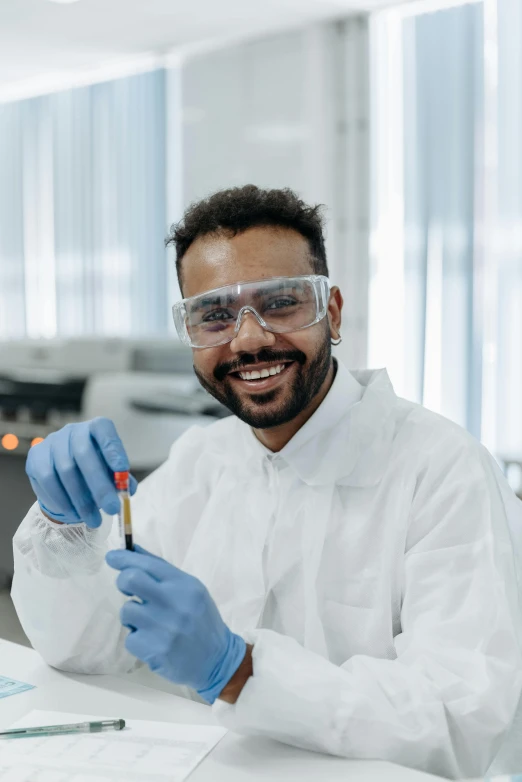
(253, 113)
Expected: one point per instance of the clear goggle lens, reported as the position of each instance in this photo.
(281, 304)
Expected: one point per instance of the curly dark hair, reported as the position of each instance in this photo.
(239, 208)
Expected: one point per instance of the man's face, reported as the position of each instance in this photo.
(256, 254)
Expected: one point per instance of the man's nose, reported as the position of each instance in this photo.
(251, 335)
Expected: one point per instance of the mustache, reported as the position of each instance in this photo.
(264, 356)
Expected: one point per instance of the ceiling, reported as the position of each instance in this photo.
(42, 42)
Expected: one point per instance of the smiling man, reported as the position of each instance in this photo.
(263, 346)
(331, 566)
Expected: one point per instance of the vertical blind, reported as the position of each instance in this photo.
(446, 270)
(508, 234)
(443, 107)
(82, 211)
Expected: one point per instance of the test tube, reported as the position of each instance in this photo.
(121, 481)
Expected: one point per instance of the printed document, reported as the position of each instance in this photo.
(142, 752)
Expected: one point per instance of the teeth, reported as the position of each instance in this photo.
(256, 375)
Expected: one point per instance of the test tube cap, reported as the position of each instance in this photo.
(121, 479)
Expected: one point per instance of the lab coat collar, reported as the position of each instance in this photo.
(349, 437)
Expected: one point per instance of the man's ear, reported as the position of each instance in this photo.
(335, 305)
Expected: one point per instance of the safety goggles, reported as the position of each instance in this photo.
(280, 304)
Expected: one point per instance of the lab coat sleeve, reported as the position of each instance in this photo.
(448, 699)
(63, 590)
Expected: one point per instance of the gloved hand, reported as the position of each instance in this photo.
(71, 472)
(177, 629)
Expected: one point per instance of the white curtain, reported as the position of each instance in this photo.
(508, 235)
(446, 283)
(82, 211)
(427, 152)
(443, 108)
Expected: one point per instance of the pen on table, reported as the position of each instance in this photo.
(121, 481)
(60, 730)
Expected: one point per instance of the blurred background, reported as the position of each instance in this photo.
(404, 119)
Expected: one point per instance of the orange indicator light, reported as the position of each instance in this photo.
(9, 442)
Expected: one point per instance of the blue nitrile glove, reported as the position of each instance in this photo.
(177, 629)
(71, 472)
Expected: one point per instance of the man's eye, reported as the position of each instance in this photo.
(279, 303)
(216, 315)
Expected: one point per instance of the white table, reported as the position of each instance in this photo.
(235, 759)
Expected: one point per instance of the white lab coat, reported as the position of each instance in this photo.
(373, 563)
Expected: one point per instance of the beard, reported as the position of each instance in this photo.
(279, 405)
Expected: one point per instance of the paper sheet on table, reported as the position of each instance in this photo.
(144, 751)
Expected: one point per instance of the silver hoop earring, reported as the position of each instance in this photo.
(337, 341)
